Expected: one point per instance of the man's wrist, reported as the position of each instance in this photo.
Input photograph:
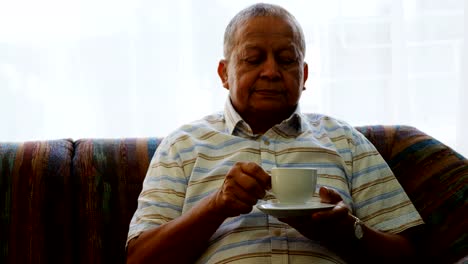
(358, 227)
(212, 209)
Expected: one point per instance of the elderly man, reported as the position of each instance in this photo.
(198, 199)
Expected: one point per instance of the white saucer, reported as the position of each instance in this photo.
(288, 210)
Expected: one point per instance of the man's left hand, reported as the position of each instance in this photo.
(330, 225)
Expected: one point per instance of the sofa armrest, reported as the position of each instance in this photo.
(435, 178)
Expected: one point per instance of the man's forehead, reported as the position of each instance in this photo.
(253, 28)
(263, 36)
(258, 45)
(261, 30)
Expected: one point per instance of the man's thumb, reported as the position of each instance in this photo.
(328, 195)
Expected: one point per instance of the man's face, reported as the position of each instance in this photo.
(265, 72)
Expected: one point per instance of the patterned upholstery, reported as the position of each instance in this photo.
(35, 189)
(435, 178)
(109, 176)
(71, 202)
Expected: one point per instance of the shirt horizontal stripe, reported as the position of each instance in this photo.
(190, 164)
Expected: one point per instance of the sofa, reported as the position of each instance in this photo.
(71, 201)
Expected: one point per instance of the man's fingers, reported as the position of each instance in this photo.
(250, 185)
(248, 196)
(328, 195)
(258, 173)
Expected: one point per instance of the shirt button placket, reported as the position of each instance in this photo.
(279, 244)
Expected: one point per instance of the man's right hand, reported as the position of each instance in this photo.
(243, 185)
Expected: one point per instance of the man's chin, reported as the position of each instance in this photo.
(270, 109)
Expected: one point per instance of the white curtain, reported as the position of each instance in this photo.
(136, 68)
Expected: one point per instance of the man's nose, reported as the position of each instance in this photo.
(270, 69)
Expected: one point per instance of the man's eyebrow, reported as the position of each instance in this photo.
(290, 48)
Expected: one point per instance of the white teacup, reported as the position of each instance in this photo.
(293, 185)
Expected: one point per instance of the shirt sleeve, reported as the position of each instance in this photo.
(378, 198)
(163, 192)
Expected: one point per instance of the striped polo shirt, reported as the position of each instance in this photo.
(191, 163)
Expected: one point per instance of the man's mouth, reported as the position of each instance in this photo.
(268, 91)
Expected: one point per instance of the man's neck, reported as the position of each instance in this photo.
(261, 123)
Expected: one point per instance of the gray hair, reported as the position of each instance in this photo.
(260, 10)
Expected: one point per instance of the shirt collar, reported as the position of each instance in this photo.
(233, 119)
(235, 125)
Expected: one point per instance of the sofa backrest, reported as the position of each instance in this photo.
(71, 202)
(36, 202)
(108, 177)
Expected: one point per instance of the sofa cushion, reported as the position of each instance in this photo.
(435, 178)
(108, 174)
(35, 202)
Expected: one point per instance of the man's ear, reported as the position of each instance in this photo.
(306, 74)
(222, 73)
